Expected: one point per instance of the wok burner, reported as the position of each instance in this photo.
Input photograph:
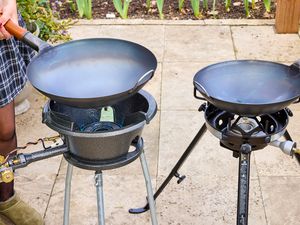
(96, 139)
(234, 130)
(241, 135)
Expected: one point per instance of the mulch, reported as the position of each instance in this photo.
(101, 9)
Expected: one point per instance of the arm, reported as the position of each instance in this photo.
(8, 9)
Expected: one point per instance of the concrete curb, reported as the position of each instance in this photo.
(208, 22)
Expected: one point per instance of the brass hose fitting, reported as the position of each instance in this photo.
(6, 174)
(297, 151)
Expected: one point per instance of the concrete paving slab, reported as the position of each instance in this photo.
(152, 37)
(198, 44)
(34, 183)
(272, 161)
(281, 199)
(239, 22)
(177, 85)
(208, 194)
(261, 42)
(203, 200)
(120, 194)
(178, 128)
(154, 85)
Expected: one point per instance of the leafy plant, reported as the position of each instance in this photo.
(267, 4)
(253, 4)
(205, 4)
(196, 8)
(160, 5)
(246, 5)
(122, 8)
(148, 2)
(39, 12)
(180, 4)
(84, 8)
(227, 5)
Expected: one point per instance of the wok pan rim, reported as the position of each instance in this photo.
(252, 106)
(235, 62)
(149, 67)
(238, 61)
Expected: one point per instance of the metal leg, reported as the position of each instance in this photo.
(174, 172)
(67, 194)
(100, 199)
(151, 201)
(243, 188)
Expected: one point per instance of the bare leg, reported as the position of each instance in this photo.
(8, 142)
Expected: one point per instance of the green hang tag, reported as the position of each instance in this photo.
(107, 114)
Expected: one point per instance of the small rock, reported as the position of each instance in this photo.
(214, 13)
(268, 15)
(237, 3)
(110, 16)
(153, 3)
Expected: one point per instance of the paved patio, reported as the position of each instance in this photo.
(208, 195)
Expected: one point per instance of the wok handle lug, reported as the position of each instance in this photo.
(142, 80)
(35, 43)
(201, 88)
(196, 96)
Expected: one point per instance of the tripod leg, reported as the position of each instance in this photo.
(67, 194)
(243, 186)
(174, 171)
(149, 188)
(100, 198)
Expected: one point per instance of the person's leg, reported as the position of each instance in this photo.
(8, 142)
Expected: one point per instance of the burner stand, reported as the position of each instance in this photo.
(241, 145)
(105, 165)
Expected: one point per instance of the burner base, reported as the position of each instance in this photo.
(107, 164)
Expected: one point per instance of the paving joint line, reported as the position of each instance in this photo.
(260, 189)
(233, 44)
(52, 188)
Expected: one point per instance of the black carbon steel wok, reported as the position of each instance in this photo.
(88, 72)
(249, 87)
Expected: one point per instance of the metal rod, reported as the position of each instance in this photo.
(22, 160)
(68, 185)
(148, 182)
(174, 171)
(243, 185)
(100, 198)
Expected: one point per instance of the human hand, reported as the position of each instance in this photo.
(8, 10)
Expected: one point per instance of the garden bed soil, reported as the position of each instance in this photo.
(138, 10)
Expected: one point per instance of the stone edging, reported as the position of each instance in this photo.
(214, 22)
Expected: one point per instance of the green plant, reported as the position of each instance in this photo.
(39, 12)
(227, 5)
(148, 2)
(267, 4)
(84, 8)
(180, 4)
(253, 4)
(196, 8)
(122, 8)
(160, 5)
(205, 4)
(246, 5)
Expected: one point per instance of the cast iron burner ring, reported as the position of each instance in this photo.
(101, 126)
(234, 130)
